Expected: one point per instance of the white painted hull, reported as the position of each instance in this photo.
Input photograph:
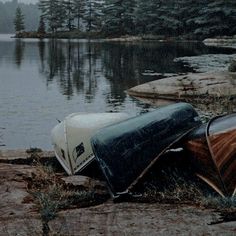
(71, 138)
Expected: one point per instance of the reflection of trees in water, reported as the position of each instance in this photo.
(124, 64)
(160, 57)
(73, 66)
(119, 68)
(76, 66)
(86, 67)
(55, 61)
(90, 83)
(77, 75)
(41, 47)
(58, 65)
(68, 90)
(19, 51)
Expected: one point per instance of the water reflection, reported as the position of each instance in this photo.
(41, 47)
(77, 67)
(54, 78)
(80, 67)
(19, 52)
(85, 67)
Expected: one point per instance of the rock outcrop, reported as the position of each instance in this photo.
(18, 215)
(201, 86)
(22, 203)
(139, 219)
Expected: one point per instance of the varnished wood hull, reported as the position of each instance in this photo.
(213, 149)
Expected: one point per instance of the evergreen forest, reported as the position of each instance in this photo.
(191, 18)
(112, 18)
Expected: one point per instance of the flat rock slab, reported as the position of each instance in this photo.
(208, 62)
(139, 219)
(199, 85)
(18, 216)
(22, 154)
(221, 42)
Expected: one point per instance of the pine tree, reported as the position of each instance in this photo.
(119, 17)
(129, 16)
(92, 15)
(155, 16)
(70, 14)
(42, 27)
(79, 6)
(19, 20)
(216, 18)
(60, 14)
(53, 12)
(113, 11)
(146, 16)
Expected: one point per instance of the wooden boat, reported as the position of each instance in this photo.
(127, 150)
(213, 149)
(71, 138)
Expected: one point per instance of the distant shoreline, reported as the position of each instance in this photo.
(101, 36)
(124, 38)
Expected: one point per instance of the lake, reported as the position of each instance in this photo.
(42, 81)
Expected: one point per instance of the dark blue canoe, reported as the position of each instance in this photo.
(127, 150)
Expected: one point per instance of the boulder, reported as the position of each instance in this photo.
(201, 86)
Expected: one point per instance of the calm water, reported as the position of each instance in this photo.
(42, 81)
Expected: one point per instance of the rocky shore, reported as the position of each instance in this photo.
(193, 86)
(222, 41)
(37, 198)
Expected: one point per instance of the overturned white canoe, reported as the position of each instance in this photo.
(71, 138)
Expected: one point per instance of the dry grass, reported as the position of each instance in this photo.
(183, 191)
(218, 106)
(181, 186)
(172, 181)
(51, 194)
(174, 187)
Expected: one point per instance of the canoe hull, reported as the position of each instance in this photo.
(125, 151)
(213, 151)
(71, 138)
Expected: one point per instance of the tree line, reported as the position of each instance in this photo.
(191, 18)
(72, 14)
(160, 17)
